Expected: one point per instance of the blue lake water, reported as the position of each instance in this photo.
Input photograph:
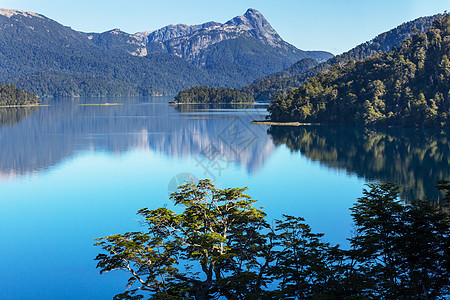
(70, 173)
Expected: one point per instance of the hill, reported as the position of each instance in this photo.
(264, 89)
(409, 86)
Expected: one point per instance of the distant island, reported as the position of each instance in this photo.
(211, 95)
(408, 86)
(10, 96)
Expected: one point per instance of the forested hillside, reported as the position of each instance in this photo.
(265, 88)
(12, 96)
(408, 86)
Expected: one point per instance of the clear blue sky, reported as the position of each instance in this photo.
(331, 25)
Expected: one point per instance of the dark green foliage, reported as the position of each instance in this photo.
(12, 96)
(219, 232)
(402, 251)
(220, 247)
(49, 59)
(231, 58)
(299, 67)
(265, 89)
(408, 86)
(211, 95)
(304, 265)
(205, 94)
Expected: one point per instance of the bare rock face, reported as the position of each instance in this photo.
(119, 42)
(172, 32)
(191, 41)
(254, 22)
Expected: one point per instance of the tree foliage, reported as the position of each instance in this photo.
(408, 86)
(12, 96)
(220, 246)
(205, 94)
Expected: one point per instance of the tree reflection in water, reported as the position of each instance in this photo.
(413, 159)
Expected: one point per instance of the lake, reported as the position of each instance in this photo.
(72, 172)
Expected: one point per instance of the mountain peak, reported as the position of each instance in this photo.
(254, 21)
(12, 12)
(252, 13)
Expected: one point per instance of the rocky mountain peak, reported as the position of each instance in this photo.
(13, 12)
(254, 21)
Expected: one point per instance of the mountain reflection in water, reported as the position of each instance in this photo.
(36, 139)
(59, 131)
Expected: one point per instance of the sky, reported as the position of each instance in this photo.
(331, 25)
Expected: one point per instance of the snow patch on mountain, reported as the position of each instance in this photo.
(13, 12)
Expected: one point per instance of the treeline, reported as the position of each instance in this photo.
(205, 94)
(12, 96)
(221, 247)
(408, 86)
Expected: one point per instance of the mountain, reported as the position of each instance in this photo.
(43, 56)
(245, 47)
(409, 86)
(192, 42)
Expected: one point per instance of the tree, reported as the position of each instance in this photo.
(305, 265)
(221, 247)
(402, 251)
(213, 248)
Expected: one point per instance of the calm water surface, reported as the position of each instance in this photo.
(70, 173)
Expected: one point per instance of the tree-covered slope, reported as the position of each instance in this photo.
(12, 96)
(265, 88)
(408, 86)
(41, 55)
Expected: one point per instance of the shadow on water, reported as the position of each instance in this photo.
(413, 159)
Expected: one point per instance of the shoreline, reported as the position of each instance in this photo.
(273, 123)
(23, 105)
(221, 103)
(100, 104)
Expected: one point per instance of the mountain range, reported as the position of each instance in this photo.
(45, 57)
